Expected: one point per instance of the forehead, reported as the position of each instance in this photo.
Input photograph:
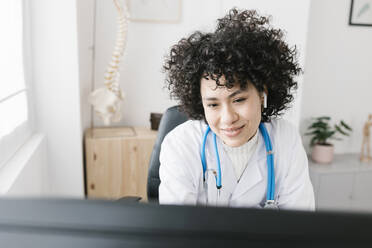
(209, 87)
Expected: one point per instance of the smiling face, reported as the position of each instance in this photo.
(233, 114)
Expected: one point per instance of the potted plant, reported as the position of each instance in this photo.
(321, 132)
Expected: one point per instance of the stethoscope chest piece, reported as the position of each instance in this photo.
(213, 193)
(271, 204)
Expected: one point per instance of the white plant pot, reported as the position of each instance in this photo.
(322, 154)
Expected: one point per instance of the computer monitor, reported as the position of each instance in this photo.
(92, 223)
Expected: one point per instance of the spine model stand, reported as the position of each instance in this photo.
(107, 100)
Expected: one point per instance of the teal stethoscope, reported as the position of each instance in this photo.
(270, 202)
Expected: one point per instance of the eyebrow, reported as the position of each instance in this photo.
(237, 92)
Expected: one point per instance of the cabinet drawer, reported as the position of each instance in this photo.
(117, 162)
(363, 187)
(335, 191)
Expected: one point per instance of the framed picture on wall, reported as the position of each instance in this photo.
(360, 13)
(155, 10)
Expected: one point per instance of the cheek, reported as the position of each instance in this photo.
(257, 111)
(210, 116)
(252, 110)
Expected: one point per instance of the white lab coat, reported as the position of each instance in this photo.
(181, 172)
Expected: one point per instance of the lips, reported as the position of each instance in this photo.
(232, 132)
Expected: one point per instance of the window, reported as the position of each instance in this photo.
(15, 123)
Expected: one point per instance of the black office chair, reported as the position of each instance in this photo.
(170, 119)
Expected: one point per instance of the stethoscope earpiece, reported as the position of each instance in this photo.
(265, 100)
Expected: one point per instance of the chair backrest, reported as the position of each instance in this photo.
(170, 119)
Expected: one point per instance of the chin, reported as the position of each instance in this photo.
(233, 143)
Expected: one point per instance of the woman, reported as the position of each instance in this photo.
(233, 84)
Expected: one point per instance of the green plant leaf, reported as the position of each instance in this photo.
(323, 118)
(321, 131)
(330, 134)
(340, 130)
(319, 125)
(315, 132)
(346, 126)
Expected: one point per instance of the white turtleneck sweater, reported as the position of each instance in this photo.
(240, 155)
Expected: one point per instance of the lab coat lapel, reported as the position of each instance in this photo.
(254, 172)
(228, 179)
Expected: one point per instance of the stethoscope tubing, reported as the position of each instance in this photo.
(203, 152)
(219, 175)
(270, 163)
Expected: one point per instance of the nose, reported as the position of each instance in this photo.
(228, 115)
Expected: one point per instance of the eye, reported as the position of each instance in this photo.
(240, 99)
(212, 105)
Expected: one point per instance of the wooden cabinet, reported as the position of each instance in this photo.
(117, 160)
(346, 184)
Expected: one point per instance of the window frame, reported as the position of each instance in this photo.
(12, 142)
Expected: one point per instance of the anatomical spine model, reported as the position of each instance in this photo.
(365, 155)
(107, 100)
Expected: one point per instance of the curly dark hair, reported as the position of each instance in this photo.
(244, 48)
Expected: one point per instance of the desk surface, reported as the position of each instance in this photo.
(119, 132)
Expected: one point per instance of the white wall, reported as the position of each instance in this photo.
(141, 76)
(85, 21)
(338, 71)
(57, 92)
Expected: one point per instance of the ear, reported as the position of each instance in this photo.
(265, 90)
